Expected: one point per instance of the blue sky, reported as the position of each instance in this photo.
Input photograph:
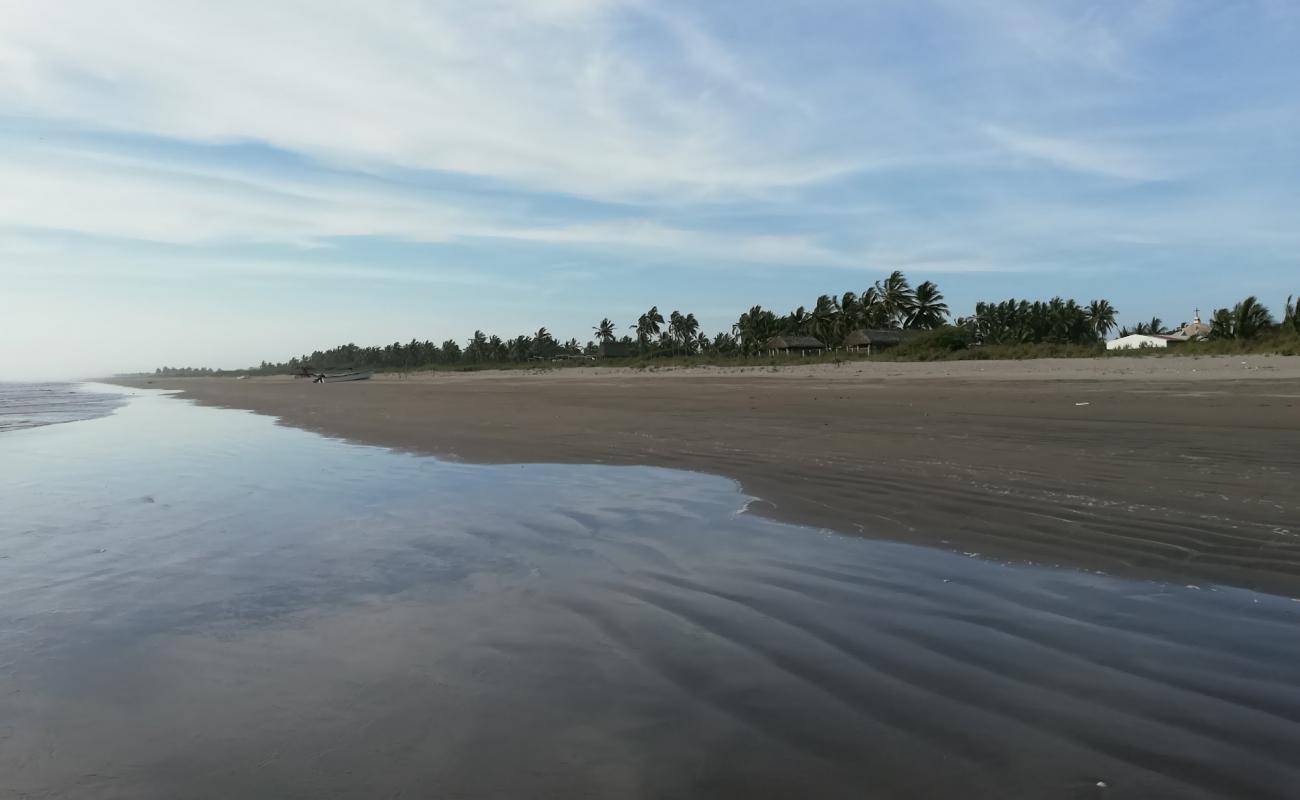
(188, 182)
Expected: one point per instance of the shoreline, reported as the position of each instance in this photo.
(1178, 469)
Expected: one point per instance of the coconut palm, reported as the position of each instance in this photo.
(851, 313)
(1250, 318)
(647, 326)
(1016, 321)
(683, 328)
(1222, 324)
(824, 322)
(872, 312)
(896, 296)
(754, 328)
(544, 345)
(796, 322)
(1153, 328)
(476, 349)
(1101, 317)
(926, 308)
(605, 330)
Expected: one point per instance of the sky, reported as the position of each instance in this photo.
(185, 182)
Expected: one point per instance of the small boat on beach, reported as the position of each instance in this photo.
(343, 377)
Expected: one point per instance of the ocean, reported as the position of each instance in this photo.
(30, 405)
(200, 603)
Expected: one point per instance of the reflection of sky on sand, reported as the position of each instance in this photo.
(189, 591)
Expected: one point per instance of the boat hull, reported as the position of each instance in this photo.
(346, 377)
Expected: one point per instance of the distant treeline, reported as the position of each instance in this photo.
(891, 303)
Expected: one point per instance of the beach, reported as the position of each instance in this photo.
(1175, 469)
(197, 602)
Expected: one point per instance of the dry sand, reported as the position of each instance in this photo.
(1164, 467)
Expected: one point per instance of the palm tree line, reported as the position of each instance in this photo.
(891, 303)
(1055, 321)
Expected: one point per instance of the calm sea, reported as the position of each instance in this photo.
(199, 603)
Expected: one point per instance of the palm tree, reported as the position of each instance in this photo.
(605, 330)
(1101, 317)
(1222, 324)
(683, 328)
(520, 347)
(871, 309)
(1292, 313)
(1250, 318)
(1153, 328)
(926, 309)
(477, 347)
(543, 343)
(796, 322)
(754, 328)
(825, 320)
(851, 313)
(647, 325)
(896, 296)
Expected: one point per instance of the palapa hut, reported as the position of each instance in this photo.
(795, 344)
(876, 339)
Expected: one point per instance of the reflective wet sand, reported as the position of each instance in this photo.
(198, 603)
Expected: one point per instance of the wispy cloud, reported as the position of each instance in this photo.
(768, 145)
(1077, 156)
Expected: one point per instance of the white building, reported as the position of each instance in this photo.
(1137, 341)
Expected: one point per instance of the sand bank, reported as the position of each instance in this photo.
(1171, 468)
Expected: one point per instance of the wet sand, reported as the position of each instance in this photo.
(197, 603)
(1170, 468)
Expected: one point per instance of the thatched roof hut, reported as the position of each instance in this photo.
(795, 344)
(876, 337)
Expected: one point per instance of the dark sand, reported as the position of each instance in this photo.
(1170, 468)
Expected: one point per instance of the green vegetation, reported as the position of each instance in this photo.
(1011, 329)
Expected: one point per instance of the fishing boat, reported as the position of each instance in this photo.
(343, 377)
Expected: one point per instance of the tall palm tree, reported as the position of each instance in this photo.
(754, 328)
(825, 319)
(684, 327)
(1153, 328)
(1101, 317)
(896, 296)
(605, 330)
(543, 343)
(1223, 325)
(647, 326)
(1251, 318)
(796, 322)
(851, 314)
(926, 309)
(872, 312)
(476, 349)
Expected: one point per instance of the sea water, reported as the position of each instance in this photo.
(199, 603)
